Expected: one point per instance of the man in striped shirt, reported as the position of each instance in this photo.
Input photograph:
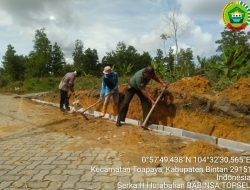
(66, 84)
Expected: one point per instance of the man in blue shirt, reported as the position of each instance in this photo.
(109, 88)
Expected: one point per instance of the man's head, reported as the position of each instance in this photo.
(149, 72)
(78, 73)
(107, 70)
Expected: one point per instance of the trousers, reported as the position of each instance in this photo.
(129, 93)
(64, 101)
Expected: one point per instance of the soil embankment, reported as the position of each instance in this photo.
(191, 104)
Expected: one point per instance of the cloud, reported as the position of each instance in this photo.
(5, 20)
(101, 24)
(205, 10)
(203, 42)
(191, 35)
(98, 23)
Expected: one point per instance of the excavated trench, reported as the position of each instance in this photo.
(190, 104)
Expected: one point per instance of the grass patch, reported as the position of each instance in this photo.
(32, 85)
(52, 83)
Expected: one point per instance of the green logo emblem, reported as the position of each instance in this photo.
(236, 15)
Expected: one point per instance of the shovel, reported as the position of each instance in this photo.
(77, 106)
(152, 109)
(82, 113)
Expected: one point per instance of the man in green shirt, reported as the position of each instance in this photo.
(137, 86)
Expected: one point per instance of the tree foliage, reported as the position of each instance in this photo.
(185, 66)
(126, 60)
(165, 65)
(13, 65)
(234, 47)
(41, 57)
(45, 59)
(231, 62)
(57, 61)
(85, 61)
(78, 55)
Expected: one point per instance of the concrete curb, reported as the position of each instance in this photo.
(223, 143)
(165, 130)
(46, 103)
(132, 121)
(174, 131)
(237, 146)
(31, 95)
(199, 136)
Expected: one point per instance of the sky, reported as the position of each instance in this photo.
(101, 24)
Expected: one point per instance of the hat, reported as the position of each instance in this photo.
(107, 70)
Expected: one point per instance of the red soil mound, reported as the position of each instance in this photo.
(201, 148)
(238, 92)
(169, 111)
(189, 85)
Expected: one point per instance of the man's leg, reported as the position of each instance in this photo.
(67, 101)
(105, 104)
(146, 105)
(129, 93)
(115, 102)
(62, 99)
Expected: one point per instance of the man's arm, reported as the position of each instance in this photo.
(116, 83)
(103, 89)
(71, 85)
(157, 79)
(146, 94)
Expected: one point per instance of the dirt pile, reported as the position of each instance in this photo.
(88, 94)
(187, 104)
(132, 142)
(201, 148)
(191, 85)
(238, 92)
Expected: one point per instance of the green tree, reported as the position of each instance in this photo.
(126, 60)
(40, 58)
(235, 50)
(158, 63)
(13, 65)
(1, 71)
(164, 65)
(67, 68)
(90, 62)
(57, 61)
(78, 55)
(202, 61)
(231, 38)
(159, 56)
(215, 69)
(170, 62)
(185, 63)
(85, 61)
(144, 60)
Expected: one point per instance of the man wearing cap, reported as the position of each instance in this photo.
(137, 86)
(109, 88)
(67, 83)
